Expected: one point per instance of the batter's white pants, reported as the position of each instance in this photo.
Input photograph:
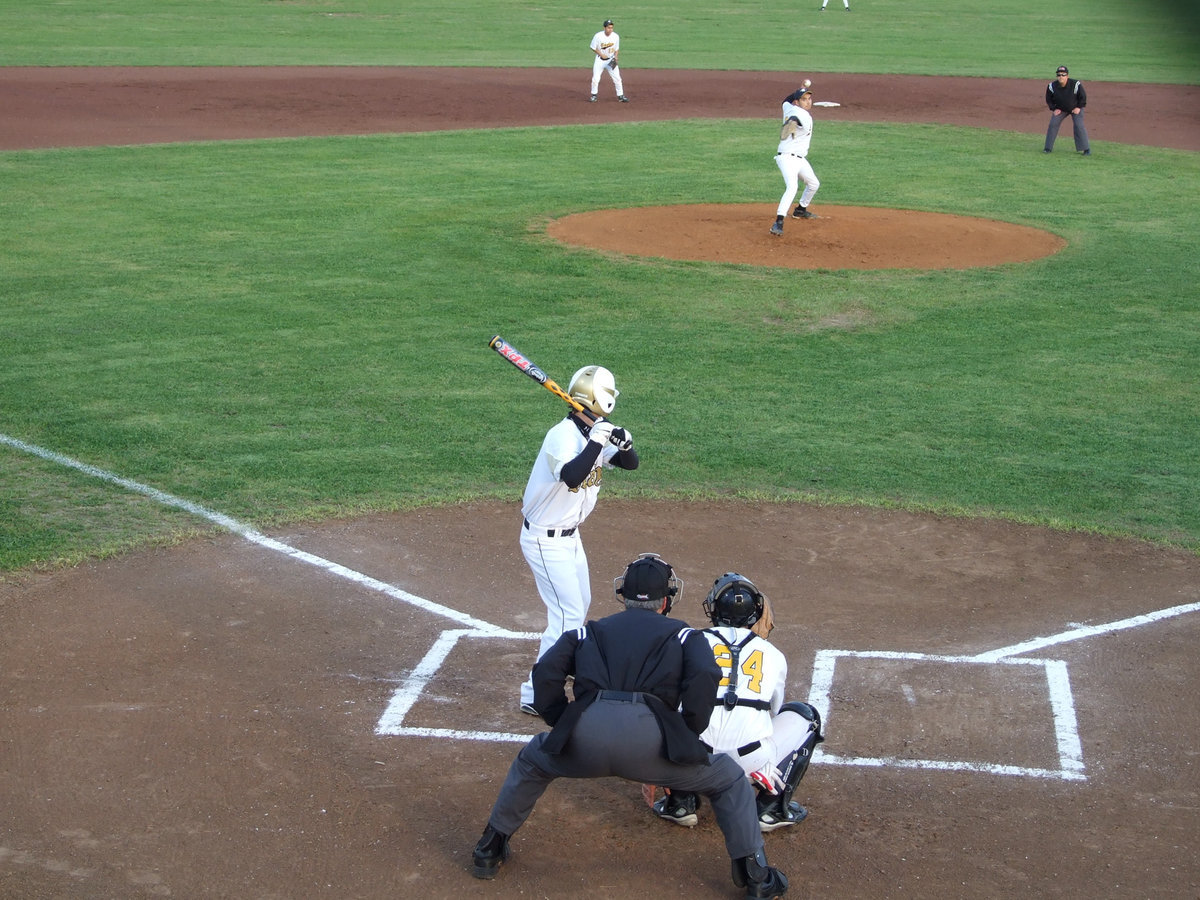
(794, 170)
(615, 71)
(560, 568)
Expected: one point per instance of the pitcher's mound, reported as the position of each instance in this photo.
(844, 237)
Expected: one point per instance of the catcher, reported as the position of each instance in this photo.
(771, 740)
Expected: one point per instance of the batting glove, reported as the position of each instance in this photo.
(601, 432)
(621, 439)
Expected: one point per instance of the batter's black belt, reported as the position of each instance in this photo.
(744, 750)
(552, 532)
(622, 696)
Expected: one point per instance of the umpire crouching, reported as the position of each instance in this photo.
(645, 686)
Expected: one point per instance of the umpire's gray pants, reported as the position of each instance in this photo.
(1056, 122)
(614, 737)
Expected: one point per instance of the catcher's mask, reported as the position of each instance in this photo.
(733, 600)
(649, 578)
(596, 388)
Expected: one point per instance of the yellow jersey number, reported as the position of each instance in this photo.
(751, 667)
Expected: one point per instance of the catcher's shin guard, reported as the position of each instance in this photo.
(797, 763)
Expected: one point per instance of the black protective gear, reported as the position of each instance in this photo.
(759, 879)
(794, 767)
(733, 600)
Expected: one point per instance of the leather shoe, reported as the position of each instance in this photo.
(490, 852)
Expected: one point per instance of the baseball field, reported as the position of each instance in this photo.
(262, 609)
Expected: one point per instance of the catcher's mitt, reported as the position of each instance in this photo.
(766, 622)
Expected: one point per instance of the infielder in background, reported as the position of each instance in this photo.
(607, 46)
(771, 740)
(644, 689)
(561, 493)
(1066, 97)
(791, 156)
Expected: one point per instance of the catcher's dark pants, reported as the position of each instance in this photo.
(618, 738)
(1081, 138)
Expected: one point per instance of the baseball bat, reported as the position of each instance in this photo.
(514, 356)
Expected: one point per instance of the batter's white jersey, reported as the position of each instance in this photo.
(548, 502)
(761, 675)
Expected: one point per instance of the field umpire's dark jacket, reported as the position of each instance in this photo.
(1065, 97)
(637, 650)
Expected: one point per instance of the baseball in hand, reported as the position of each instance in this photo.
(807, 83)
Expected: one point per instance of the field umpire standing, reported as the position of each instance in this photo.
(1066, 97)
(645, 686)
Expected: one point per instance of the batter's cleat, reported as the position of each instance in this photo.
(622, 99)
(491, 851)
(1087, 152)
(529, 710)
(1046, 150)
(770, 818)
(592, 99)
(801, 212)
(777, 229)
(760, 880)
(678, 807)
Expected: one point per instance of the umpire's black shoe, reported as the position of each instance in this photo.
(490, 852)
(760, 880)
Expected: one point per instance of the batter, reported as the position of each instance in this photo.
(560, 494)
(606, 45)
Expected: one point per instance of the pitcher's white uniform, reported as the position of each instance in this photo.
(761, 676)
(606, 45)
(791, 157)
(550, 533)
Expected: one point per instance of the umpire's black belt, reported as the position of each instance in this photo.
(744, 750)
(552, 532)
(622, 696)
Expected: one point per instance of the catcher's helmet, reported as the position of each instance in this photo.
(649, 578)
(734, 600)
(595, 388)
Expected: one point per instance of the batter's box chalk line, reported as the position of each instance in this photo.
(1059, 701)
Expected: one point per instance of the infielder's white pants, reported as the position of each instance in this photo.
(560, 568)
(615, 71)
(794, 170)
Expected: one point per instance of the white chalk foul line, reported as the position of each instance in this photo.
(1076, 634)
(256, 537)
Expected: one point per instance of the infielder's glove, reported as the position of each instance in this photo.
(766, 622)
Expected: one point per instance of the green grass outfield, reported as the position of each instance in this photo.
(296, 329)
(1102, 40)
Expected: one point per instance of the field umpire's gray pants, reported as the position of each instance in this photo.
(615, 737)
